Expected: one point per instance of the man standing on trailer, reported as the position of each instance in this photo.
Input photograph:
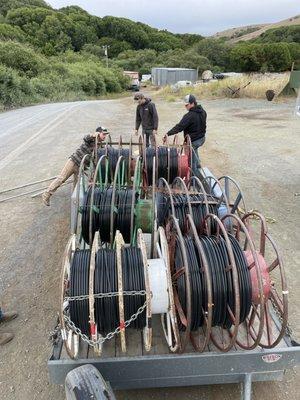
(193, 124)
(72, 165)
(146, 115)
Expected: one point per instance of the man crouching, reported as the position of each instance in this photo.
(72, 165)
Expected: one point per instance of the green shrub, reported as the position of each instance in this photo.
(22, 58)
(9, 32)
(249, 57)
(15, 90)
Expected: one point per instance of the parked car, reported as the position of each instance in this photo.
(219, 76)
(134, 77)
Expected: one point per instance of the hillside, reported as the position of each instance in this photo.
(253, 35)
(249, 32)
(238, 31)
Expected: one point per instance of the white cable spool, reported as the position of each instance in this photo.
(158, 285)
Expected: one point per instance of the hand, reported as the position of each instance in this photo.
(165, 138)
(136, 131)
(154, 132)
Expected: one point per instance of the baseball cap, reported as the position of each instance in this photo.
(138, 96)
(189, 99)
(101, 129)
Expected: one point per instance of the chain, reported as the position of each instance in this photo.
(109, 294)
(54, 335)
(110, 335)
(288, 329)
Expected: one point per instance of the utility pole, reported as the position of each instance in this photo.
(105, 48)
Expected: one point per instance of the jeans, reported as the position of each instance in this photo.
(1, 314)
(195, 156)
(147, 133)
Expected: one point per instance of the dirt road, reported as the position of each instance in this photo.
(256, 142)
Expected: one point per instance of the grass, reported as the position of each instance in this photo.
(260, 83)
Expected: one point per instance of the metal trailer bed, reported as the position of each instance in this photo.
(138, 369)
(158, 368)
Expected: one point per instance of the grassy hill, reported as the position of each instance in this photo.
(236, 32)
(261, 30)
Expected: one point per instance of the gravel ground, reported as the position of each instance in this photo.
(256, 142)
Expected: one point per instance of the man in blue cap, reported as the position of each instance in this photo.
(193, 124)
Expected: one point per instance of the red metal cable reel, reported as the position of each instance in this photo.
(254, 320)
(224, 339)
(185, 159)
(273, 275)
(201, 338)
(174, 235)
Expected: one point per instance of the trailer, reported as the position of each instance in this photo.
(139, 370)
(260, 349)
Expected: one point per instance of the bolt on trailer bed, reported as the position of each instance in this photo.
(138, 369)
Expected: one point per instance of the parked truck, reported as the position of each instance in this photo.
(134, 80)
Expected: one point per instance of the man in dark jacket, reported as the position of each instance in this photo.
(193, 124)
(72, 165)
(146, 115)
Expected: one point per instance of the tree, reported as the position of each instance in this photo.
(9, 32)
(52, 37)
(249, 57)
(283, 34)
(246, 57)
(216, 51)
(29, 19)
(7, 5)
(123, 29)
(115, 46)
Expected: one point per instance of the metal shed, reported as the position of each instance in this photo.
(169, 76)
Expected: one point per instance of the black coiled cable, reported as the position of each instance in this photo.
(133, 280)
(150, 154)
(166, 160)
(79, 285)
(113, 156)
(223, 296)
(244, 278)
(181, 208)
(106, 282)
(102, 206)
(193, 261)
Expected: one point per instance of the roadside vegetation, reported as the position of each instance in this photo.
(51, 55)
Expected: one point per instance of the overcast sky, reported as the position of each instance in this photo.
(193, 16)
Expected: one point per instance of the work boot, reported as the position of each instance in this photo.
(8, 316)
(46, 198)
(5, 338)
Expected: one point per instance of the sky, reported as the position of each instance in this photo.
(204, 17)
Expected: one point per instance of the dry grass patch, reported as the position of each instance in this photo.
(260, 83)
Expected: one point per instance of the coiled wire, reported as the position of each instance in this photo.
(102, 212)
(223, 296)
(113, 156)
(106, 281)
(167, 160)
(181, 208)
